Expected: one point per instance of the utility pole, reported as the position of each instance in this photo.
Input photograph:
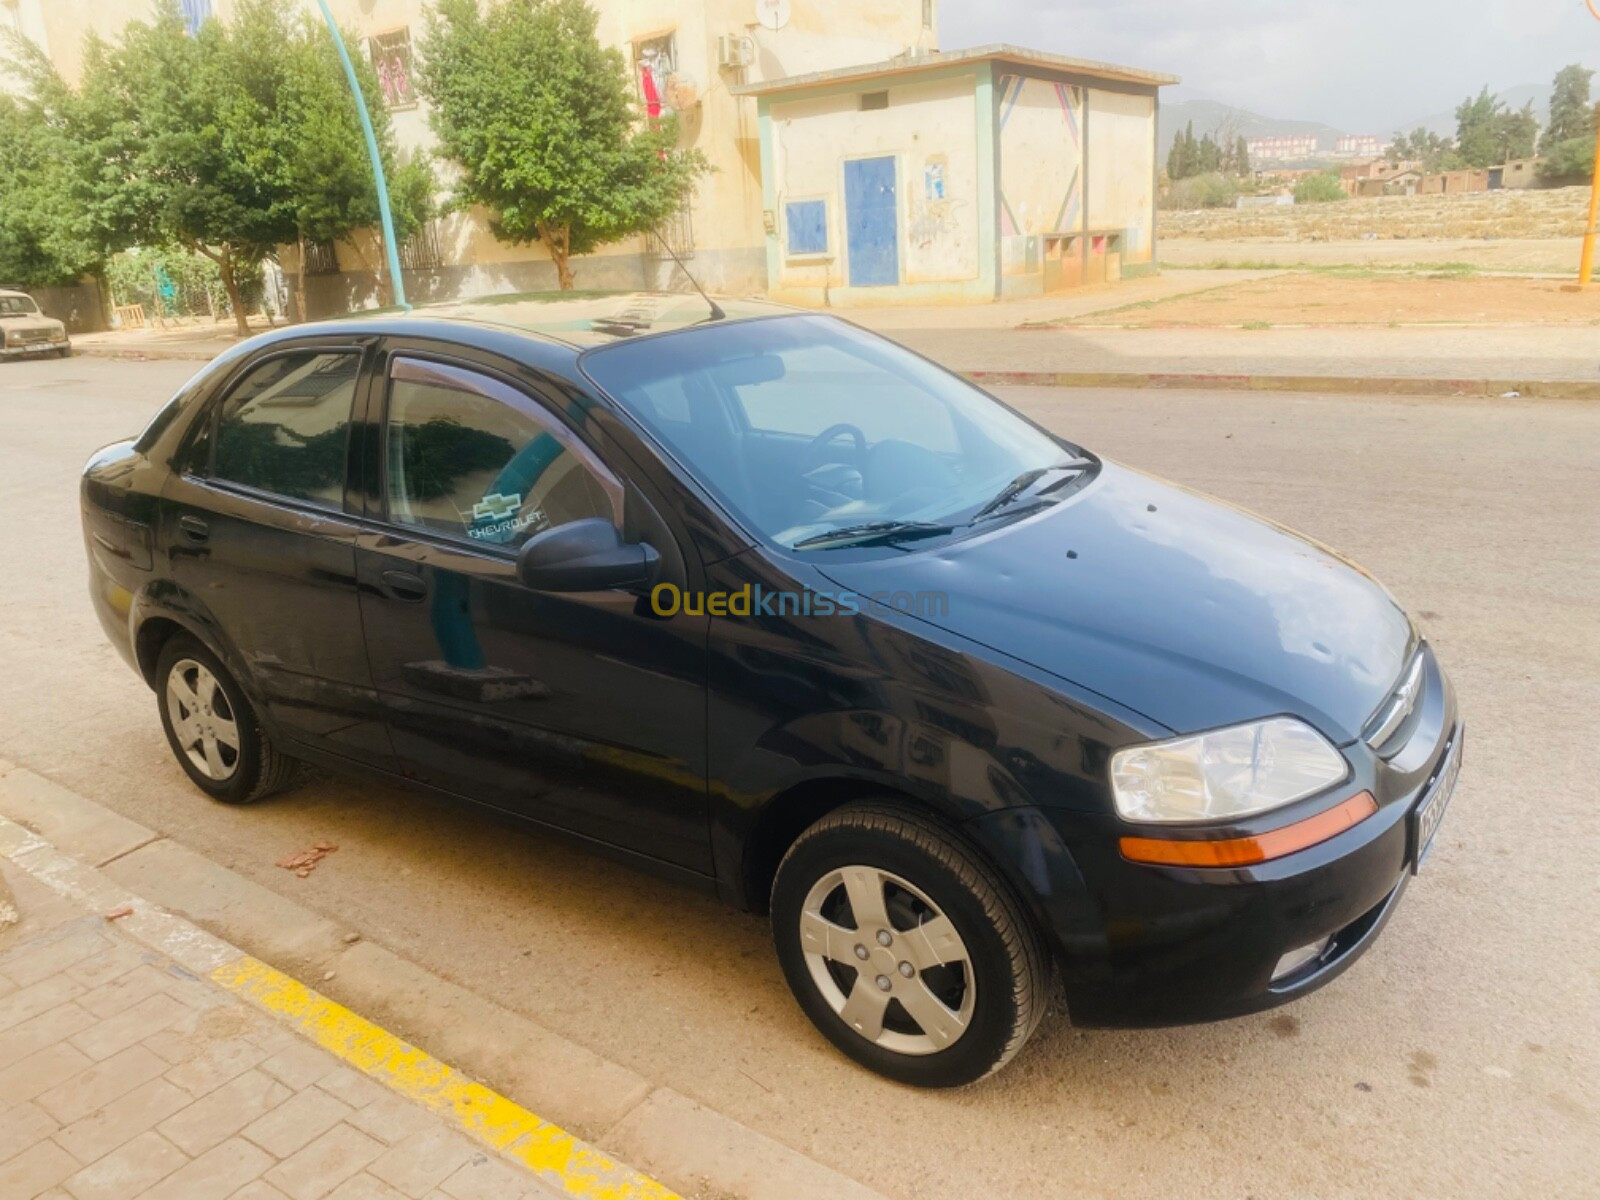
(391, 248)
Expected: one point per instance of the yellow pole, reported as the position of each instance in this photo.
(1586, 266)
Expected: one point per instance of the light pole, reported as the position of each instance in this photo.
(390, 249)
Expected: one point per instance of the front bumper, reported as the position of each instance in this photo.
(34, 349)
(1143, 945)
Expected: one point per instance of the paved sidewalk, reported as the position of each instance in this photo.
(124, 1076)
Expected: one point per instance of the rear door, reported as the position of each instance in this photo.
(585, 710)
(262, 542)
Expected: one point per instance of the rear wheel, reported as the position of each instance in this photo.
(904, 948)
(212, 728)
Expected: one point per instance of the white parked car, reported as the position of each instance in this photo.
(27, 331)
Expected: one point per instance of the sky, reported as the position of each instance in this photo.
(1359, 65)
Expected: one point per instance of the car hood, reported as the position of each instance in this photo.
(29, 321)
(1186, 609)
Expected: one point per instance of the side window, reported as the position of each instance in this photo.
(283, 427)
(471, 457)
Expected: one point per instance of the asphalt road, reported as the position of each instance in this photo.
(1459, 1058)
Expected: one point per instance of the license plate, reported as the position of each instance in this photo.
(1431, 811)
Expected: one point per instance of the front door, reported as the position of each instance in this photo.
(585, 710)
(871, 222)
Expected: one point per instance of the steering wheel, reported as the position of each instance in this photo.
(832, 433)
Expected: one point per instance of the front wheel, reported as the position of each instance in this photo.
(905, 949)
(212, 728)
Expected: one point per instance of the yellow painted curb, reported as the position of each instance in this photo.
(561, 1160)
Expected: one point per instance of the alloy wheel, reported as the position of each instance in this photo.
(888, 962)
(202, 720)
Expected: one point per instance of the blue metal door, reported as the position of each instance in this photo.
(872, 234)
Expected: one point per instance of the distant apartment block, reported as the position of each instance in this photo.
(1358, 145)
(1281, 149)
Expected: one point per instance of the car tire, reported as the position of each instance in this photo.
(954, 936)
(64, 352)
(213, 729)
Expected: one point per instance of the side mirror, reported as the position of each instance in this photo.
(585, 556)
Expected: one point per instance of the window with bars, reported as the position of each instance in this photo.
(391, 59)
(321, 259)
(676, 234)
(420, 251)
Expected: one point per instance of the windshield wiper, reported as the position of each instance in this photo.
(873, 531)
(1022, 483)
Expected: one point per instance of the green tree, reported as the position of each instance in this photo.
(1319, 189)
(44, 238)
(1571, 160)
(327, 175)
(202, 118)
(1478, 121)
(72, 200)
(1570, 114)
(540, 122)
(1516, 134)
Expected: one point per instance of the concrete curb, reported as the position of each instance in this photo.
(153, 354)
(1391, 385)
(114, 861)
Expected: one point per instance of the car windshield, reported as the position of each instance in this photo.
(807, 428)
(17, 306)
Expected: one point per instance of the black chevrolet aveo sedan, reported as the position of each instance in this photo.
(769, 605)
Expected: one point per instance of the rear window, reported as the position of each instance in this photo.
(284, 426)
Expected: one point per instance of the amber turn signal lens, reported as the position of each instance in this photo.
(1243, 852)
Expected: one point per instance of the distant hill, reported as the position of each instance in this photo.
(1444, 123)
(1209, 117)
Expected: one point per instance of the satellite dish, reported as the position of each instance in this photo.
(774, 14)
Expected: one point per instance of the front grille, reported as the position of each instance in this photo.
(1401, 703)
(35, 335)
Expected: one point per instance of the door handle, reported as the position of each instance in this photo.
(194, 529)
(403, 585)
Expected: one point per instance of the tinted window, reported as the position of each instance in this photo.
(283, 427)
(471, 457)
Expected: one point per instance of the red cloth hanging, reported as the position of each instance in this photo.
(652, 98)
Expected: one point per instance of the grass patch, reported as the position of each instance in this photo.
(1258, 325)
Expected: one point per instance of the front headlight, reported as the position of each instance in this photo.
(1224, 774)
(58, 335)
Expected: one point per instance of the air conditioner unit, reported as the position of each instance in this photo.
(735, 50)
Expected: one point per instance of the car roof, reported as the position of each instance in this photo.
(587, 319)
(546, 330)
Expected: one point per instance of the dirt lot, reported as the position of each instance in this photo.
(1557, 213)
(1363, 298)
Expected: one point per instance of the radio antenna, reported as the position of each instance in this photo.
(716, 309)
